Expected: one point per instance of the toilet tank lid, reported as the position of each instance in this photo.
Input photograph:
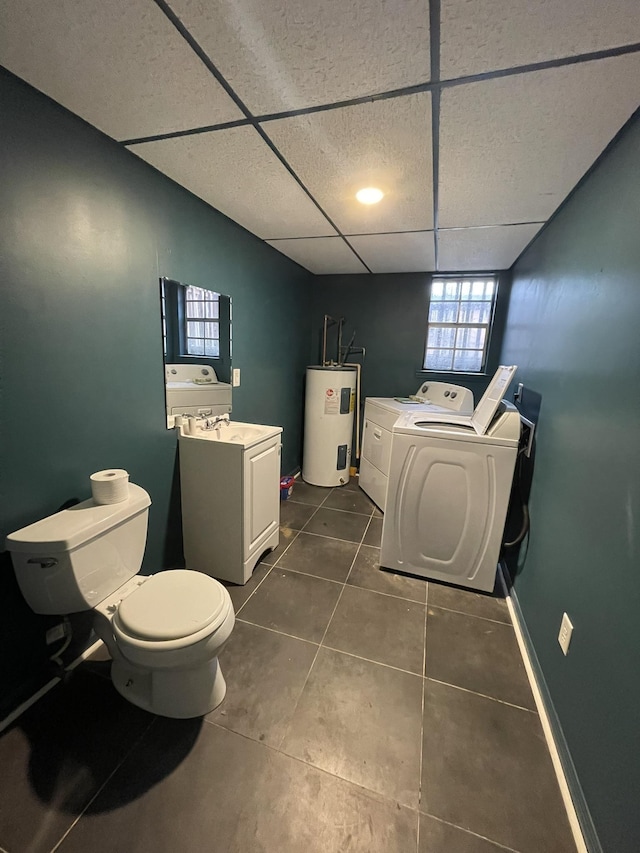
(72, 527)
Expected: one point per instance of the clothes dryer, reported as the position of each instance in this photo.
(380, 415)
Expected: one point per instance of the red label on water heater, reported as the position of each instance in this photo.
(331, 401)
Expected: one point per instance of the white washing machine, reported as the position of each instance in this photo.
(380, 416)
(194, 389)
(448, 493)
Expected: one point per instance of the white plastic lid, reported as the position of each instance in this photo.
(72, 527)
(172, 605)
(486, 409)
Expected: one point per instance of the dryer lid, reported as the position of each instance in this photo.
(172, 605)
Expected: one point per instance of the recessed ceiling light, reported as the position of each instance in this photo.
(369, 195)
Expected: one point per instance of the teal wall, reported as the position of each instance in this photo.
(573, 329)
(86, 229)
(389, 314)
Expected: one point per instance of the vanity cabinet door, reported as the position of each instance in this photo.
(262, 493)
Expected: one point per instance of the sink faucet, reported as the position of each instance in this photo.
(220, 421)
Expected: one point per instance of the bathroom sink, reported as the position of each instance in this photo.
(243, 433)
(235, 432)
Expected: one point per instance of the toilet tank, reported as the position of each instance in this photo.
(72, 560)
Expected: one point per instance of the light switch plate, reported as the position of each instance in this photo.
(236, 377)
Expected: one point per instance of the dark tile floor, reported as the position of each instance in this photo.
(366, 712)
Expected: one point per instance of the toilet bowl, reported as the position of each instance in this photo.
(164, 635)
(164, 632)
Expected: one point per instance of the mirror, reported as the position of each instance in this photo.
(196, 335)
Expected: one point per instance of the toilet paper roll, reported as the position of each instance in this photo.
(110, 486)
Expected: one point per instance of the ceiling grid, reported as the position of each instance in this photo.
(477, 120)
(434, 33)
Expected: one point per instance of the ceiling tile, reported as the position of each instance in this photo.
(410, 252)
(511, 149)
(322, 256)
(479, 249)
(120, 65)
(237, 173)
(489, 34)
(385, 144)
(287, 54)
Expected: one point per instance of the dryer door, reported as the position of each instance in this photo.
(446, 509)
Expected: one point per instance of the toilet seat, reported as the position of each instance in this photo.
(171, 605)
(172, 610)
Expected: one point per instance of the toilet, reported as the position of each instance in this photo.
(164, 631)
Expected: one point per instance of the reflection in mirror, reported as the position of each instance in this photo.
(196, 332)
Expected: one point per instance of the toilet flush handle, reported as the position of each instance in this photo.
(44, 562)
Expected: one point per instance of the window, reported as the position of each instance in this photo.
(191, 321)
(460, 316)
(202, 321)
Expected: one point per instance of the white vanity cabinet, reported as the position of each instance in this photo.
(230, 489)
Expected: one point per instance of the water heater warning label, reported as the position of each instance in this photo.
(332, 401)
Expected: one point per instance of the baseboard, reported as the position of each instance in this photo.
(13, 716)
(584, 832)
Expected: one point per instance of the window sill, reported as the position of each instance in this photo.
(425, 373)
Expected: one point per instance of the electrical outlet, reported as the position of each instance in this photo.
(236, 377)
(566, 630)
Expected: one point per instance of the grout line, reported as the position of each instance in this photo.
(424, 688)
(369, 792)
(258, 585)
(484, 695)
(337, 539)
(376, 662)
(284, 568)
(572, 815)
(282, 633)
(473, 615)
(314, 513)
(387, 594)
(334, 508)
(345, 582)
(104, 784)
(470, 832)
(315, 657)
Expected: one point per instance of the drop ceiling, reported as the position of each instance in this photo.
(475, 119)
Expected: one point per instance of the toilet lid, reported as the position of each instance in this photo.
(172, 604)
